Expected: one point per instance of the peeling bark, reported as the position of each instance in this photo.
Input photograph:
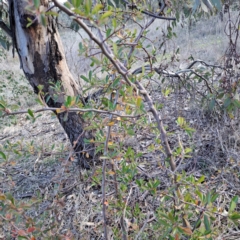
(43, 61)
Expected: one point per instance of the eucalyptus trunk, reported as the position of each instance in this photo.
(43, 62)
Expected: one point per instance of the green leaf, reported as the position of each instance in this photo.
(43, 20)
(181, 121)
(208, 198)
(106, 15)
(2, 106)
(108, 32)
(3, 155)
(207, 223)
(30, 112)
(189, 131)
(214, 197)
(236, 103)
(68, 5)
(84, 78)
(138, 101)
(65, 118)
(88, 6)
(220, 95)
(95, 60)
(90, 75)
(36, 3)
(115, 50)
(76, 3)
(22, 237)
(97, 8)
(201, 179)
(233, 204)
(10, 197)
(113, 3)
(227, 102)
(68, 101)
(52, 13)
(212, 104)
(114, 23)
(234, 216)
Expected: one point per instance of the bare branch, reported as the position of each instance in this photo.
(102, 45)
(134, 6)
(8, 112)
(5, 28)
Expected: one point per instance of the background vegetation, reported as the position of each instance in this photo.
(190, 68)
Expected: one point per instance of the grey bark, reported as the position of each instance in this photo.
(43, 62)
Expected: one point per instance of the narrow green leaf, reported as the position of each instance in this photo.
(88, 5)
(30, 112)
(3, 155)
(208, 197)
(115, 50)
(207, 223)
(234, 216)
(97, 8)
(84, 78)
(90, 75)
(76, 3)
(52, 13)
(10, 197)
(95, 60)
(2, 106)
(214, 197)
(227, 102)
(212, 104)
(108, 32)
(43, 20)
(113, 3)
(106, 15)
(201, 179)
(69, 100)
(65, 118)
(236, 103)
(36, 3)
(68, 5)
(114, 23)
(181, 121)
(233, 204)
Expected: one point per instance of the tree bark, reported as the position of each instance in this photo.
(43, 62)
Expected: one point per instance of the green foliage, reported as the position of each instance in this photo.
(140, 194)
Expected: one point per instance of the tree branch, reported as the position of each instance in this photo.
(5, 28)
(134, 6)
(8, 112)
(105, 49)
(121, 69)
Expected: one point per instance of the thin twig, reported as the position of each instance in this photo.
(124, 223)
(8, 112)
(143, 227)
(134, 6)
(5, 28)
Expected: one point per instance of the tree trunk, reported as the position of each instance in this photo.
(44, 64)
